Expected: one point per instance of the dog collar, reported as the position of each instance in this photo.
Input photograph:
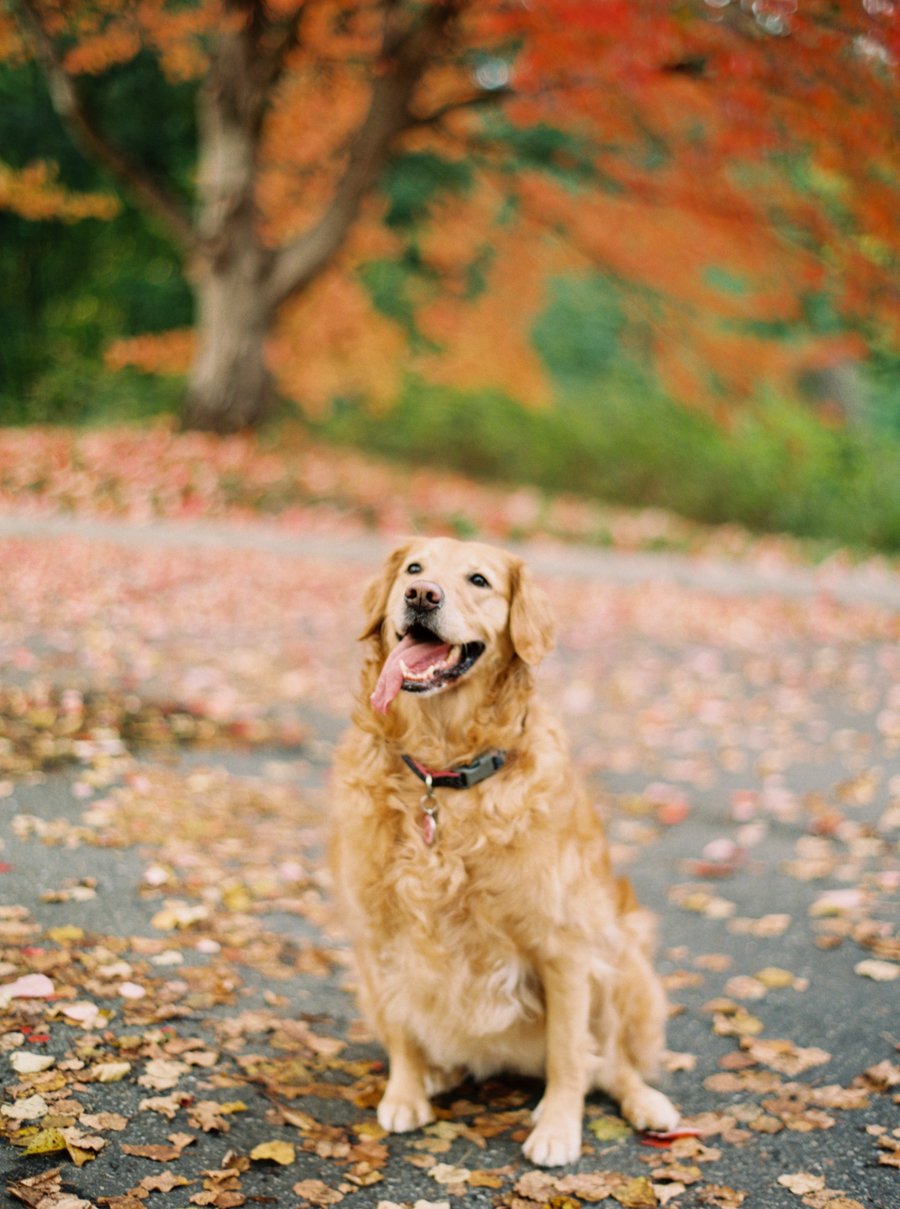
(462, 777)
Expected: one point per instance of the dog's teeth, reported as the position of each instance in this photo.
(420, 676)
(452, 658)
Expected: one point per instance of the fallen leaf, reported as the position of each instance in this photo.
(103, 1120)
(166, 1105)
(667, 1192)
(883, 1075)
(156, 1151)
(609, 1129)
(444, 1173)
(722, 1196)
(109, 1072)
(784, 1056)
(591, 1185)
(132, 990)
(45, 1191)
(635, 1194)
(29, 1109)
(773, 977)
(879, 971)
(28, 1063)
(317, 1192)
(802, 1182)
(29, 986)
(163, 1183)
(45, 1142)
(742, 986)
(740, 1024)
(484, 1179)
(161, 1074)
(276, 1152)
(537, 1186)
(86, 1014)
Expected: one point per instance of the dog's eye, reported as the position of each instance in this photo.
(479, 581)
(413, 568)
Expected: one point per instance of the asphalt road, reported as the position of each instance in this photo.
(704, 945)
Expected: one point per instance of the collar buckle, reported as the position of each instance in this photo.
(464, 776)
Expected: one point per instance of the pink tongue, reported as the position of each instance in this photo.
(417, 656)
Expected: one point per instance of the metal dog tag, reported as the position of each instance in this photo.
(430, 807)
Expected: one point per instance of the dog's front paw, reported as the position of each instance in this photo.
(555, 1140)
(650, 1109)
(400, 1114)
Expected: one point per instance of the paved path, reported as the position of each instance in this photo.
(865, 585)
(787, 761)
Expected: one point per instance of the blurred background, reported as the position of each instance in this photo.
(638, 255)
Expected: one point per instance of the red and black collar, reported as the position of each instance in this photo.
(464, 776)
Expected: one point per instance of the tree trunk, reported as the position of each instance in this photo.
(230, 387)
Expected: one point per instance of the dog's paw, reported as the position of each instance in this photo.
(399, 1114)
(554, 1141)
(650, 1109)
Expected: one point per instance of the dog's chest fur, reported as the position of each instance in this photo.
(450, 931)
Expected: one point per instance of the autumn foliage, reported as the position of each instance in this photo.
(732, 167)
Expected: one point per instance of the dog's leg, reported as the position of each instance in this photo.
(556, 1138)
(439, 1079)
(642, 1106)
(404, 1105)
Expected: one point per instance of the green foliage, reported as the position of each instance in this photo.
(578, 334)
(66, 290)
(412, 181)
(778, 469)
(81, 391)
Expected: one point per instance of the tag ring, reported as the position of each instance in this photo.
(429, 805)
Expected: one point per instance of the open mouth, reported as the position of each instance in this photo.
(423, 663)
(438, 664)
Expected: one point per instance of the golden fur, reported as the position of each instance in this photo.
(508, 944)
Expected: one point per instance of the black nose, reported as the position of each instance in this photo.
(424, 595)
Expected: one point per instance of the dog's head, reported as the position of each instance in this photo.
(446, 613)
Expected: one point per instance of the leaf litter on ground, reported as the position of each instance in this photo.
(108, 651)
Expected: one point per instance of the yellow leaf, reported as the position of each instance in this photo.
(109, 1072)
(65, 932)
(635, 1194)
(237, 899)
(368, 1129)
(772, 976)
(609, 1129)
(45, 1142)
(78, 1156)
(232, 1106)
(277, 1152)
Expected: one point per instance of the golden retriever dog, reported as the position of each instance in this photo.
(489, 931)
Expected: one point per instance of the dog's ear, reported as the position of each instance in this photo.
(531, 626)
(378, 589)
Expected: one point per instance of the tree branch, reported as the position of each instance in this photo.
(486, 98)
(273, 58)
(404, 59)
(149, 194)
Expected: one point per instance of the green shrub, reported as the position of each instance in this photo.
(78, 390)
(777, 469)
